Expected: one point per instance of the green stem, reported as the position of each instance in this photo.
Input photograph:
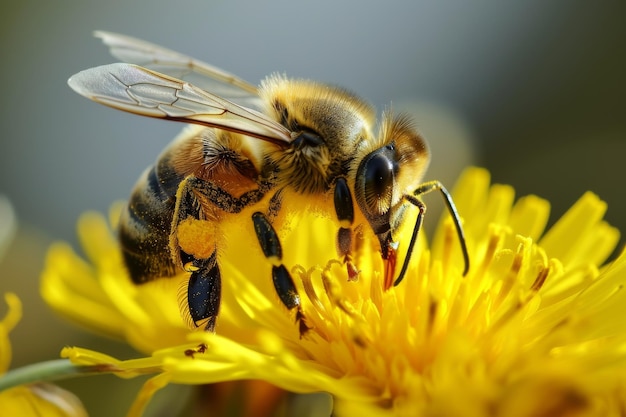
(43, 372)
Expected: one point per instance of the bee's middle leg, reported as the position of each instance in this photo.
(272, 249)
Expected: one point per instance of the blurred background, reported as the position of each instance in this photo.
(532, 90)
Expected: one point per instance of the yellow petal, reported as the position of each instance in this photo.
(532, 329)
(69, 286)
(10, 320)
(40, 400)
(580, 236)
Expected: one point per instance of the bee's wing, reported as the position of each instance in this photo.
(183, 67)
(145, 92)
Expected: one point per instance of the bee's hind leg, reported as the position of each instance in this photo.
(193, 246)
(204, 292)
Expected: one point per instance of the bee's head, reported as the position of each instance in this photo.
(390, 168)
(327, 124)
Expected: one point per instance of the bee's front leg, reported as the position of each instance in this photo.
(344, 208)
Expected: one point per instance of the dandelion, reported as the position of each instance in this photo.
(25, 400)
(534, 329)
(34, 400)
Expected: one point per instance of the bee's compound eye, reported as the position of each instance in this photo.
(379, 176)
(375, 180)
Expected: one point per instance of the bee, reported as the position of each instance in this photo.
(249, 147)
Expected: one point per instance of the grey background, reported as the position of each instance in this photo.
(539, 84)
(537, 88)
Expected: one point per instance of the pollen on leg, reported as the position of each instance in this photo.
(196, 237)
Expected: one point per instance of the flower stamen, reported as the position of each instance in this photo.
(535, 311)
(495, 237)
(307, 284)
(540, 280)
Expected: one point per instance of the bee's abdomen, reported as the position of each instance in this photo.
(145, 224)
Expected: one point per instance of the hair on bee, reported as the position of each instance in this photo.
(247, 147)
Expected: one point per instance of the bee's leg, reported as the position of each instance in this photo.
(270, 244)
(283, 283)
(199, 204)
(344, 208)
(204, 292)
(275, 204)
(199, 207)
(447, 198)
(192, 245)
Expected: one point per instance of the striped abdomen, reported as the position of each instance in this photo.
(145, 224)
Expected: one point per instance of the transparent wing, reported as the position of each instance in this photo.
(145, 92)
(183, 67)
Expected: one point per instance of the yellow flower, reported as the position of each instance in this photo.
(34, 399)
(7, 324)
(535, 328)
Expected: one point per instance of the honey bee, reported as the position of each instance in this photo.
(249, 147)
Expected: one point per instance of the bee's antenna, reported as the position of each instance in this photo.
(413, 199)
